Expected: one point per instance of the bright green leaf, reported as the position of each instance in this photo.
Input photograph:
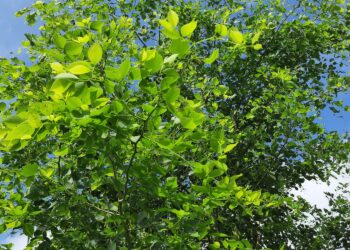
(171, 183)
(230, 147)
(154, 65)
(95, 53)
(255, 38)
(56, 67)
(173, 18)
(61, 152)
(169, 30)
(221, 29)
(23, 132)
(79, 68)
(212, 57)
(188, 29)
(236, 36)
(66, 76)
(257, 46)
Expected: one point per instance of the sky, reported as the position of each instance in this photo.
(12, 33)
(12, 28)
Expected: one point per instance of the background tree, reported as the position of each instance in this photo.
(177, 124)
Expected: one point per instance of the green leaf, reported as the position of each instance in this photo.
(188, 123)
(47, 172)
(170, 59)
(2, 106)
(97, 25)
(171, 183)
(255, 38)
(29, 170)
(172, 95)
(166, 25)
(257, 46)
(95, 53)
(136, 74)
(173, 18)
(119, 73)
(22, 132)
(180, 213)
(59, 87)
(66, 76)
(147, 54)
(112, 246)
(188, 29)
(28, 230)
(13, 120)
(154, 65)
(117, 106)
(73, 103)
(109, 86)
(13, 224)
(56, 67)
(230, 147)
(212, 57)
(216, 245)
(179, 46)
(221, 29)
(79, 68)
(73, 48)
(236, 36)
(124, 68)
(59, 41)
(169, 30)
(148, 87)
(61, 152)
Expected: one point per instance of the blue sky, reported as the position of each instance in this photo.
(12, 33)
(12, 28)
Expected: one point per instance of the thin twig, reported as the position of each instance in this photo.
(59, 166)
(135, 151)
(138, 37)
(101, 209)
(132, 159)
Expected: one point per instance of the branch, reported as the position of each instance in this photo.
(138, 37)
(59, 166)
(100, 209)
(132, 159)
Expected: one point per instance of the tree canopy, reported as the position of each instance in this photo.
(175, 125)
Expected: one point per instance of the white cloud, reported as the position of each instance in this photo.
(19, 241)
(313, 191)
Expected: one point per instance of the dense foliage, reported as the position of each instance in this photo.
(174, 124)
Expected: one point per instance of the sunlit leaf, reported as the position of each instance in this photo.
(95, 53)
(173, 18)
(79, 68)
(236, 36)
(188, 29)
(214, 55)
(73, 48)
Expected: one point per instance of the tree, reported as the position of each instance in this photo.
(172, 125)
